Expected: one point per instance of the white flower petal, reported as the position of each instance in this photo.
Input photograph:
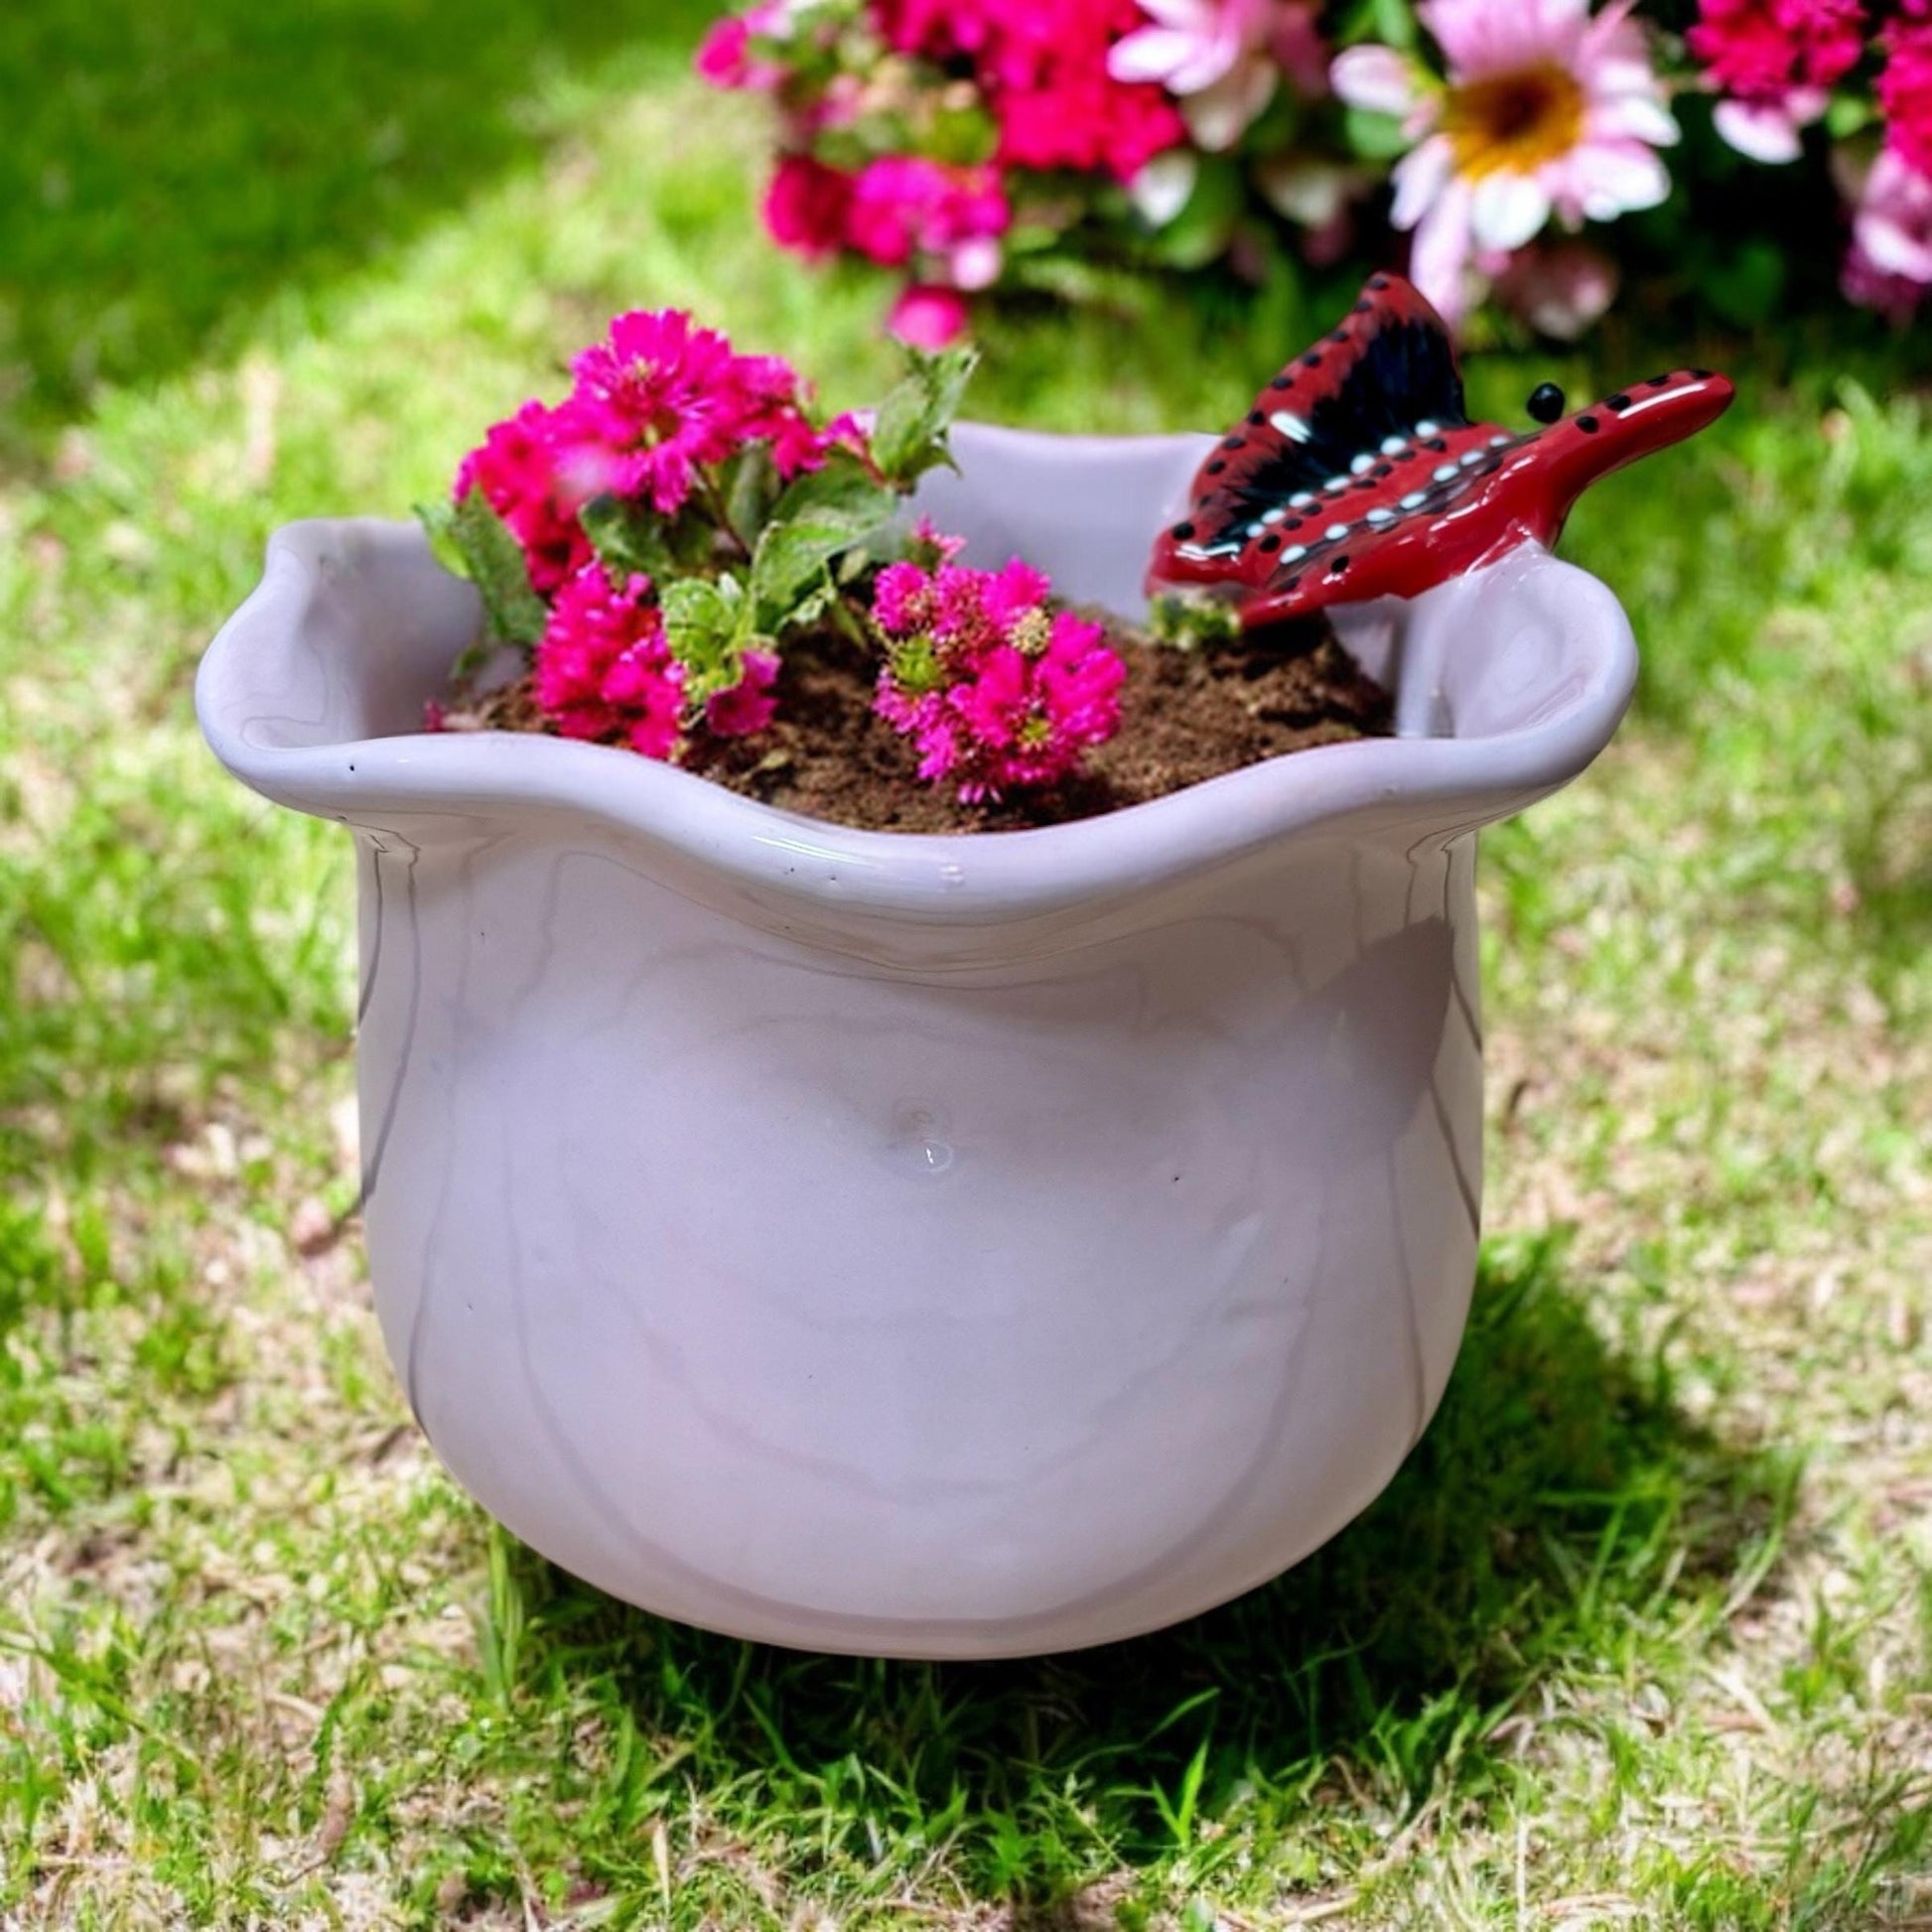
(1438, 263)
(1764, 133)
(1219, 116)
(1153, 54)
(1507, 208)
(1191, 17)
(1311, 191)
(1893, 246)
(1614, 178)
(1419, 179)
(976, 264)
(1634, 117)
(1163, 188)
(1376, 78)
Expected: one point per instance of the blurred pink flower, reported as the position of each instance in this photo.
(1775, 62)
(1042, 65)
(1906, 85)
(726, 60)
(519, 468)
(807, 206)
(1222, 59)
(904, 205)
(1545, 112)
(1559, 288)
(1889, 264)
(1041, 68)
(928, 317)
(602, 668)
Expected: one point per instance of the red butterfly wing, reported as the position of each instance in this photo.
(1319, 440)
(1358, 474)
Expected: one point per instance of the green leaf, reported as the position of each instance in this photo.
(1849, 115)
(704, 620)
(472, 540)
(1373, 136)
(707, 623)
(1395, 22)
(1392, 21)
(910, 435)
(630, 536)
(1745, 284)
(819, 518)
(1193, 621)
(750, 487)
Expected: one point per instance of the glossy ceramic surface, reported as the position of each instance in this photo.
(913, 1245)
(1357, 474)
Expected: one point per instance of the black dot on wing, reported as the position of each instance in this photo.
(1293, 523)
(1383, 469)
(1338, 334)
(1215, 467)
(1182, 531)
(1282, 382)
(1232, 443)
(1313, 359)
(1588, 424)
(1293, 583)
(1256, 418)
(1336, 565)
(1437, 444)
(1618, 402)
(1362, 309)
(1699, 376)
(1657, 381)
(1271, 542)
(1378, 283)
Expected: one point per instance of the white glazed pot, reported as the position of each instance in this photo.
(925, 1246)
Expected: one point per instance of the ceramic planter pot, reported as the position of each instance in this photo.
(926, 1246)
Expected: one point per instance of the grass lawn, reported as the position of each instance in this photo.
(1642, 1635)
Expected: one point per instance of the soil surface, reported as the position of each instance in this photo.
(1189, 715)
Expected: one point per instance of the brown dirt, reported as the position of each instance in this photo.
(1191, 715)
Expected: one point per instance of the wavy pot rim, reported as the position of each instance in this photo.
(315, 764)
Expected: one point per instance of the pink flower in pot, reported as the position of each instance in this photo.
(1223, 58)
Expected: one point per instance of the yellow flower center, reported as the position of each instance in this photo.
(1514, 121)
(1031, 633)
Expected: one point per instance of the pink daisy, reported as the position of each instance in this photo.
(1546, 111)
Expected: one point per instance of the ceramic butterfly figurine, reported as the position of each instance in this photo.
(1358, 473)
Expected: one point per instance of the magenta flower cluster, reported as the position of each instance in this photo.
(604, 669)
(924, 135)
(656, 408)
(996, 691)
(1008, 91)
(1776, 64)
